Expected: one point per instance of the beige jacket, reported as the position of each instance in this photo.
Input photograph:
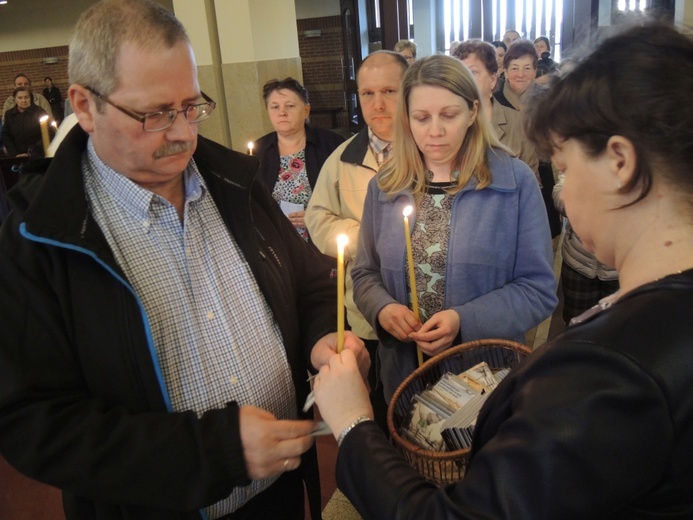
(336, 207)
(510, 131)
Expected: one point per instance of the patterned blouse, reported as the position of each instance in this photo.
(430, 248)
(292, 184)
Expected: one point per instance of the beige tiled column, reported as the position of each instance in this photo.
(239, 45)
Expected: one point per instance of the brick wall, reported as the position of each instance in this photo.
(31, 63)
(321, 60)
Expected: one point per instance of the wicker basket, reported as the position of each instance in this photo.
(446, 467)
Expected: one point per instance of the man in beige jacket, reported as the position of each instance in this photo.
(337, 202)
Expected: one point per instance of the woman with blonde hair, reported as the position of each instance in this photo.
(481, 242)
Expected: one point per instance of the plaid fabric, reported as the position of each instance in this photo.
(581, 293)
(381, 149)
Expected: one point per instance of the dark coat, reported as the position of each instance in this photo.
(82, 404)
(320, 143)
(22, 130)
(598, 423)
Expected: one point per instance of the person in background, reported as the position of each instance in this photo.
(584, 279)
(597, 423)
(510, 36)
(291, 157)
(22, 80)
(407, 49)
(480, 239)
(159, 313)
(520, 92)
(545, 66)
(501, 49)
(55, 99)
(480, 59)
(337, 202)
(21, 129)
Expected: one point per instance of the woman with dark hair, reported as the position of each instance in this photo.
(501, 49)
(481, 247)
(291, 157)
(21, 131)
(597, 423)
(545, 65)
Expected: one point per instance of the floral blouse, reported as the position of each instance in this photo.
(292, 184)
(430, 248)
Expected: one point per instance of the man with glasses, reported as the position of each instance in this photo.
(158, 312)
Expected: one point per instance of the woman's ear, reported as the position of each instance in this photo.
(83, 105)
(622, 158)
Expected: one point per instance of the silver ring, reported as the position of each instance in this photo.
(286, 464)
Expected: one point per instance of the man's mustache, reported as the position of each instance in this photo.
(173, 149)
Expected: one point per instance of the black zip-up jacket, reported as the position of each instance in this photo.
(82, 403)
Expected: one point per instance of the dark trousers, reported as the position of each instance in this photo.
(376, 395)
(283, 500)
(581, 293)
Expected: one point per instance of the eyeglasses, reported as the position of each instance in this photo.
(163, 119)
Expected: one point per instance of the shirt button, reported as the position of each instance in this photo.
(210, 315)
(234, 380)
(145, 225)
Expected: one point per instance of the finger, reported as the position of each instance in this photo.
(286, 430)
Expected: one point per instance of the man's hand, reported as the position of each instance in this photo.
(398, 320)
(269, 443)
(326, 347)
(438, 333)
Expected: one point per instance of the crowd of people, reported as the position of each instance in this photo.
(165, 298)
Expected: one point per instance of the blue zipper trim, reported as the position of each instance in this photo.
(148, 333)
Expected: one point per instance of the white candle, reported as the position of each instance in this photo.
(342, 241)
(44, 134)
(412, 276)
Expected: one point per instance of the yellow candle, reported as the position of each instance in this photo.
(412, 277)
(251, 145)
(342, 241)
(44, 134)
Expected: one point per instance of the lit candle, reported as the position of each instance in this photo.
(342, 241)
(250, 148)
(412, 277)
(44, 133)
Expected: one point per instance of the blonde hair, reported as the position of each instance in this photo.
(406, 169)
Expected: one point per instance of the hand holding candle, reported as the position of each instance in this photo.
(44, 134)
(412, 277)
(342, 241)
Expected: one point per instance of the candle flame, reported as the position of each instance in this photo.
(407, 211)
(342, 240)
(43, 119)
(250, 145)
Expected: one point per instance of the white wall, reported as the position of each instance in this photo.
(316, 8)
(36, 24)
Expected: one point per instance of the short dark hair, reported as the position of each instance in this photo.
(22, 75)
(519, 49)
(498, 43)
(484, 51)
(627, 87)
(285, 84)
(22, 89)
(48, 77)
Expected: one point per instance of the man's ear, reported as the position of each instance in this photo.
(83, 105)
(622, 158)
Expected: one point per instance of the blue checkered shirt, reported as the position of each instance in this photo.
(213, 331)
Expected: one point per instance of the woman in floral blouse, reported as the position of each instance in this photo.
(292, 156)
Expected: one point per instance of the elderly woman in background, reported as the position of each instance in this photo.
(545, 66)
(21, 130)
(291, 157)
(480, 59)
(482, 250)
(519, 92)
(407, 49)
(598, 423)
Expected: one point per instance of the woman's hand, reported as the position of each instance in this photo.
(340, 392)
(438, 333)
(297, 219)
(398, 320)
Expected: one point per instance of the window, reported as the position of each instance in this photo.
(489, 19)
